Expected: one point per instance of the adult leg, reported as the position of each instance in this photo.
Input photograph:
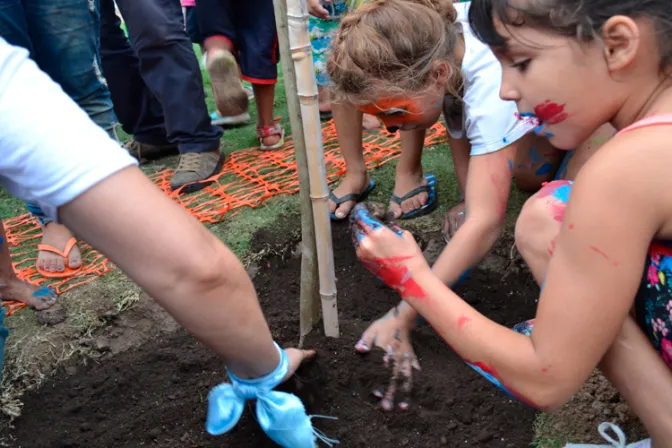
(168, 65)
(138, 110)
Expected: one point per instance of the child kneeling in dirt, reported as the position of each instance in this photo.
(84, 179)
(600, 246)
(407, 79)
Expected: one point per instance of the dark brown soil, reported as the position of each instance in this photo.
(156, 395)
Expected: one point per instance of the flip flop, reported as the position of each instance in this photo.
(430, 188)
(68, 272)
(357, 197)
(326, 116)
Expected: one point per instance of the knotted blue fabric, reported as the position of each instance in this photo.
(281, 415)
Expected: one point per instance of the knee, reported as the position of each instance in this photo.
(533, 224)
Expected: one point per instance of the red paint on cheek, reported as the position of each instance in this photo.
(545, 369)
(462, 321)
(570, 227)
(551, 113)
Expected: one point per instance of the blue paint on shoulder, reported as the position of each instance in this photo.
(510, 165)
(544, 169)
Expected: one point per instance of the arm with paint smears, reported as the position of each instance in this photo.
(592, 280)
(487, 194)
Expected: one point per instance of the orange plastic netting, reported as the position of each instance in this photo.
(249, 178)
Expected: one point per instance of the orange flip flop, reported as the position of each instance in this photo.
(68, 272)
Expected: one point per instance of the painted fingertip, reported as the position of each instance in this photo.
(378, 393)
(386, 404)
(403, 406)
(339, 215)
(362, 347)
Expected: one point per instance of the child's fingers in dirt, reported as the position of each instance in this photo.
(406, 371)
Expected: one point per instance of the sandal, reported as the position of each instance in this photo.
(357, 197)
(269, 131)
(68, 271)
(430, 188)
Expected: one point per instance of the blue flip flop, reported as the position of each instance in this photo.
(357, 197)
(431, 190)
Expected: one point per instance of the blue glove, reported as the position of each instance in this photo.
(281, 415)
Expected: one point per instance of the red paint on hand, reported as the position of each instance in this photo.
(558, 210)
(570, 227)
(395, 275)
(551, 113)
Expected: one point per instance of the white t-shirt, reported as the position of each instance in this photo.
(50, 151)
(488, 122)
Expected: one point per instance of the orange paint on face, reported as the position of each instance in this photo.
(394, 111)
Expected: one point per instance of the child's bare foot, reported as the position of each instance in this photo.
(352, 184)
(36, 297)
(369, 122)
(58, 237)
(405, 183)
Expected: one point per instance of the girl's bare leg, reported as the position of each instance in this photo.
(348, 122)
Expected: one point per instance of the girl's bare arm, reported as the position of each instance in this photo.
(592, 280)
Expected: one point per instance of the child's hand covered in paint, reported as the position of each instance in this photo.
(389, 252)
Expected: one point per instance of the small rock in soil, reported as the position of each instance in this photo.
(102, 345)
(444, 440)
(451, 425)
(52, 316)
(154, 433)
(85, 427)
(484, 436)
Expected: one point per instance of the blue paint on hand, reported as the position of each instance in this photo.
(510, 165)
(544, 169)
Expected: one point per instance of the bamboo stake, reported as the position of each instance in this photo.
(309, 312)
(299, 40)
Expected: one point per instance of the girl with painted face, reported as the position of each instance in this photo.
(599, 246)
(407, 61)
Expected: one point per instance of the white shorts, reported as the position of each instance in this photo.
(487, 121)
(50, 151)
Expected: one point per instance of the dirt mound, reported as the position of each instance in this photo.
(156, 395)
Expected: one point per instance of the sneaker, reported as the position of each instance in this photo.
(618, 444)
(194, 168)
(230, 97)
(219, 120)
(144, 152)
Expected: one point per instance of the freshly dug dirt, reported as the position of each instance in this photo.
(156, 394)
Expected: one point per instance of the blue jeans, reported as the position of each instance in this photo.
(63, 38)
(155, 78)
